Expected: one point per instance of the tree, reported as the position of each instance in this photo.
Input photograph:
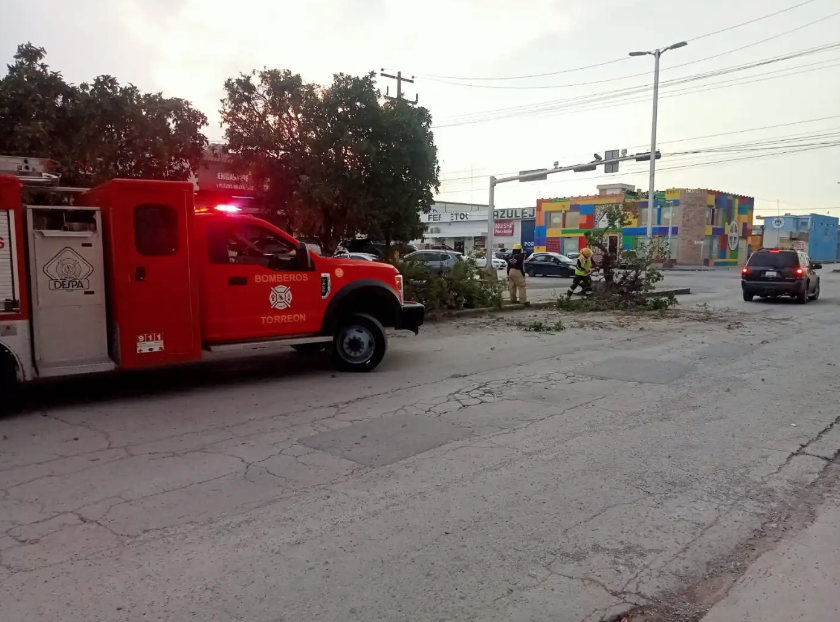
(629, 276)
(404, 173)
(96, 131)
(334, 161)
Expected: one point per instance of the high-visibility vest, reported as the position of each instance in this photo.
(583, 266)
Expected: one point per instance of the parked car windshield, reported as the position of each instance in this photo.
(774, 260)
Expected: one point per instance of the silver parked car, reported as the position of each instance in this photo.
(436, 261)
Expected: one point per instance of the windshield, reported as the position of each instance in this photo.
(774, 260)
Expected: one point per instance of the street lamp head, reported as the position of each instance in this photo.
(639, 53)
(681, 44)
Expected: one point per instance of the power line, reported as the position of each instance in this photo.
(770, 144)
(624, 58)
(632, 75)
(644, 87)
(752, 21)
(627, 97)
(684, 166)
(666, 142)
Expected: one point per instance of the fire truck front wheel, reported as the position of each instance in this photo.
(359, 343)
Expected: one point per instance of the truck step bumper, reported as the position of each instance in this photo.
(412, 316)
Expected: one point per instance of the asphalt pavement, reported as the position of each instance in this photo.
(482, 473)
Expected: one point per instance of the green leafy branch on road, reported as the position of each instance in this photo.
(600, 302)
(538, 326)
(464, 287)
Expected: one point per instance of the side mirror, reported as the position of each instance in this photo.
(816, 266)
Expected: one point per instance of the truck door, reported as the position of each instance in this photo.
(158, 312)
(257, 284)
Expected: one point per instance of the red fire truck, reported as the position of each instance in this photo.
(132, 276)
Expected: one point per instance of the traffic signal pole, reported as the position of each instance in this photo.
(539, 175)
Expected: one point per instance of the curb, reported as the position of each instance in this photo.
(681, 291)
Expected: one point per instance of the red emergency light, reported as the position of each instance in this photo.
(223, 207)
(227, 208)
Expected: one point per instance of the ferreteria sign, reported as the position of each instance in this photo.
(453, 216)
(500, 214)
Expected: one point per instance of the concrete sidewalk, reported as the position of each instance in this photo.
(798, 580)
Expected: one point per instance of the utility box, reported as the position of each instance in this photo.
(69, 314)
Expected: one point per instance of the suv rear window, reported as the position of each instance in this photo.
(783, 259)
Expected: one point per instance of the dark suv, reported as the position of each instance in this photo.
(777, 272)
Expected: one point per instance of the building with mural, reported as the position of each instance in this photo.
(815, 234)
(707, 227)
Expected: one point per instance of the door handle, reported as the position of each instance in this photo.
(237, 280)
(140, 273)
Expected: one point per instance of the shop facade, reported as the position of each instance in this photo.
(816, 234)
(463, 226)
(707, 227)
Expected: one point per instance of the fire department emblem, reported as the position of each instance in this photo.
(68, 271)
(281, 297)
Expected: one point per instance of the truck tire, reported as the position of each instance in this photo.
(9, 385)
(359, 343)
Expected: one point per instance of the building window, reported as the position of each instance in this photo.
(156, 230)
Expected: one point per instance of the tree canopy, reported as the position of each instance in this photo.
(98, 130)
(333, 161)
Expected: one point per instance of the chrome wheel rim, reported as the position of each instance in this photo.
(356, 344)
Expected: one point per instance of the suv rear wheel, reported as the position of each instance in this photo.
(748, 297)
(816, 292)
(802, 297)
(359, 343)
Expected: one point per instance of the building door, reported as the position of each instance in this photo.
(459, 245)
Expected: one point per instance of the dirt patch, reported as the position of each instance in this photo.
(690, 604)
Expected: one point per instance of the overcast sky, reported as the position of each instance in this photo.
(187, 48)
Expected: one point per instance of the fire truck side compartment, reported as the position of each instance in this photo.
(153, 291)
(69, 325)
(14, 311)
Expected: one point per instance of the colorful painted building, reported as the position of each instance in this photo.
(708, 227)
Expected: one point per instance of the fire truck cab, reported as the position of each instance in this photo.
(132, 276)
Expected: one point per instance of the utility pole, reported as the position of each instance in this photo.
(399, 78)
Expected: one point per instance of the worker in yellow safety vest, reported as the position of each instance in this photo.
(583, 273)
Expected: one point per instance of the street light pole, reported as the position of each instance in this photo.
(652, 184)
(652, 187)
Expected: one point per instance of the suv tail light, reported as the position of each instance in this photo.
(800, 272)
(744, 270)
(399, 281)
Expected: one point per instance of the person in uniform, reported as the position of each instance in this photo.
(516, 275)
(583, 273)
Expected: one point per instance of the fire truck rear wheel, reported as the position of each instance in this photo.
(9, 386)
(359, 343)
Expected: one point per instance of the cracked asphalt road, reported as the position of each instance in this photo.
(482, 473)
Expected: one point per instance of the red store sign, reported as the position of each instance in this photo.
(503, 228)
